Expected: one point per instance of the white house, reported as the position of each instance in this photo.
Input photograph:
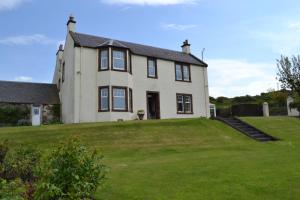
(102, 79)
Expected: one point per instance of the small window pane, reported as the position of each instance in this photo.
(151, 68)
(118, 60)
(119, 99)
(104, 98)
(180, 103)
(187, 104)
(186, 73)
(36, 111)
(104, 59)
(178, 72)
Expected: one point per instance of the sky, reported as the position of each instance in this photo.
(242, 38)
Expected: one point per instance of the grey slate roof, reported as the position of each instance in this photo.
(84, 40)
(28, 93)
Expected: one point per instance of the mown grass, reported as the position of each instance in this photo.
(187, 159)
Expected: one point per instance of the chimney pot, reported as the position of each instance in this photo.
(60, 49)
(186, 47)
(71, 23)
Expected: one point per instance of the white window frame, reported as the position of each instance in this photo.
(103, 58)
(123, 58)
(125, 96)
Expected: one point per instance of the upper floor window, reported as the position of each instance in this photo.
(152, 68)
(119, 100)
(63, 72)
(184, 104)
(103, 60)
(119, 60)
(182, 72)
(104, 98)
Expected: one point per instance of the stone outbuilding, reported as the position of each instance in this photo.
(32, 95)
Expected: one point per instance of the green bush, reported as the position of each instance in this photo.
(11, 114)
(56, 112)
(11, 190)
(72, 172)
(3, 151)
(20, 163)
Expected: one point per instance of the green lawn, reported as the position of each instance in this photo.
(188, 159)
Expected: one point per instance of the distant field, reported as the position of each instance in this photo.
(188, 159)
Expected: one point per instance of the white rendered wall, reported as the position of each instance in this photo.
(79, 92)
(67, 87)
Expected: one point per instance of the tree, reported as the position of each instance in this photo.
(289, 75)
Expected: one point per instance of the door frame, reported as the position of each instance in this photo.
(157, 103)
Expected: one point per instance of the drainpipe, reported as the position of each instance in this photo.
(205, 92)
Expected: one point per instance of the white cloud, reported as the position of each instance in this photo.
(10, 4)
(283, 42)
(23, 79)
(295, 26)
(237, 77)
(150, 2)
(178, 27)
(28, 40)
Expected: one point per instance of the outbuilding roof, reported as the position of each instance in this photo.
(28, 93)
(84, 40)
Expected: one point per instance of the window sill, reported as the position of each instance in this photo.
(182, 113)
(101, 70)
(120, 111)
(153, 77)
(183, 81)
(119, 70)
(103, 110)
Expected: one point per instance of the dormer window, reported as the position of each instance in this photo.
(103, 60)
(119, 60)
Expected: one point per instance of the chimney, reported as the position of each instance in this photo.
(60, 51)
(59, 56)
(71, 24)
(186, 47)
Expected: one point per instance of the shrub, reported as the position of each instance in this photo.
(10, 114)
(3, 151)
(56, 112)
(72, 172)
(24, 122)
(12, 190)
(21, 163)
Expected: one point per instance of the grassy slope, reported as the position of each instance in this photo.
(184, 159)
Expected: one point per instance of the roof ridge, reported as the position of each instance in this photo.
(22, 82)
(93, 41)
(120, 41)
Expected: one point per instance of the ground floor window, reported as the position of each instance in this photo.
(130, 100)
(119, 99)
(104, 98)
(184, 103)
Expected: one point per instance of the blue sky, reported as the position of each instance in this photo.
(242, 38)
